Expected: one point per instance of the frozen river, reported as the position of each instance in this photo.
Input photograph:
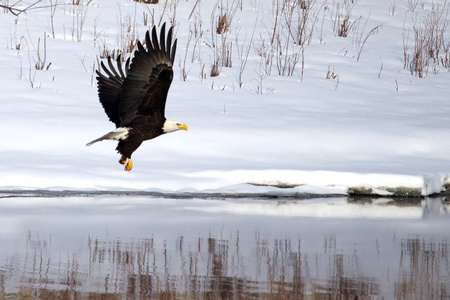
(122, 246)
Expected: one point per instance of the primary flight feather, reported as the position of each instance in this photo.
(134, 96)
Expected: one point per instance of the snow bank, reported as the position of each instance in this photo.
(374, 128)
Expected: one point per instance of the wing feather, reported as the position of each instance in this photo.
(145, 88)
(174, 49)
(113, 70)
(162, 37)
(110, 87)
(171, 48)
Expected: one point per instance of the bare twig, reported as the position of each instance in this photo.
(193, 9)
(40, 64)
(375, 29)
(16, 11)
(243, 54)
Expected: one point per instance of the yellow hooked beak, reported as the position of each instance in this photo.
(183, 126)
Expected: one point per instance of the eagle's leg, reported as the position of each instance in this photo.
(127, 162)
(126, 148)
(128, 165)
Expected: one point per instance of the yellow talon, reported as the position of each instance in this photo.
(122, 160)
(128, 165)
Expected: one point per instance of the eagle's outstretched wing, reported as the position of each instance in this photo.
(145, 88)
(110, 88)
(134, 97)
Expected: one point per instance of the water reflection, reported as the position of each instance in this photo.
(303, 258)
(421, 267)
(210, 268)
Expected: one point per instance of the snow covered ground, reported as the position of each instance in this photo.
(370, 125)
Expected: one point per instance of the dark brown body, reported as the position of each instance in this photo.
(144, 128)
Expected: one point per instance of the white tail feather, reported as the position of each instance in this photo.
(120, 133)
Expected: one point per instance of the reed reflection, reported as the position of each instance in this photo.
(423, 270)
(227, 267)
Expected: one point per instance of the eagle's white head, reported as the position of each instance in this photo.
(171, 126)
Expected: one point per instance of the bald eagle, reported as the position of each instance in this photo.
(134, 98)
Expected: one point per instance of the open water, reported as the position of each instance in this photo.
(147, 247)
